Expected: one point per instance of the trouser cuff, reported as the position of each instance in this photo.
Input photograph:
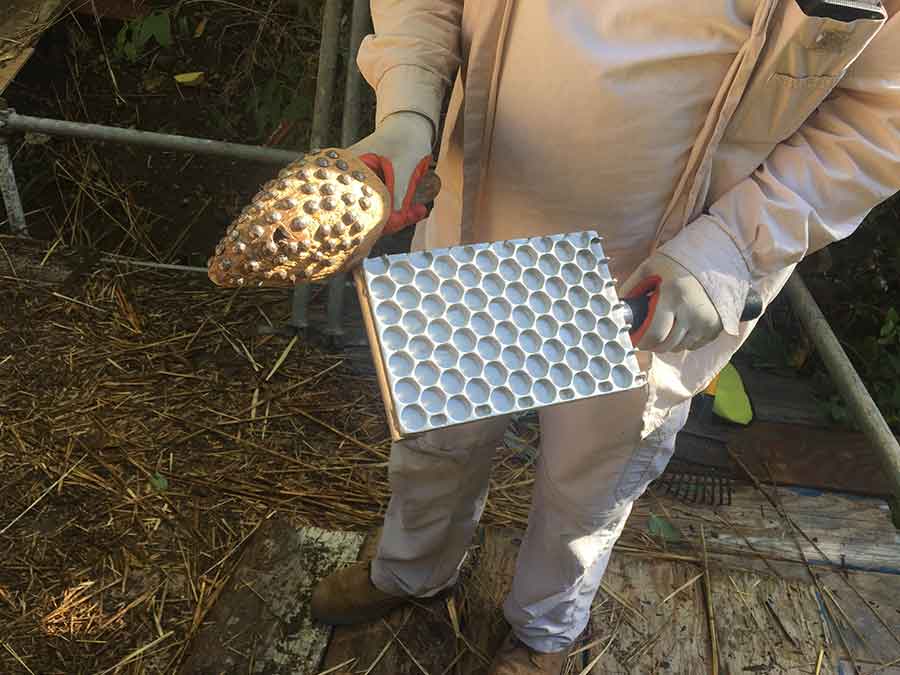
(543, 643)
(386, 582)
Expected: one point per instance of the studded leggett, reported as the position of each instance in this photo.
(320, 216)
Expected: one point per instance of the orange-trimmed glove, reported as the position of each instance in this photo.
(409, 213)
(399, 151)
(681, 317)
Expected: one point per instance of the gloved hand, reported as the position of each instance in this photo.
(399, 151)
(682, 315)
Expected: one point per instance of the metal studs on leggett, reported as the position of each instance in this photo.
(471, 332)
(287, 232)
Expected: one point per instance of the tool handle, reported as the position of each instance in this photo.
(845, 11)
(639, 310)
(427, 188)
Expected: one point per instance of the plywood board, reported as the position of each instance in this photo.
(261, 623)
(770, 616)
(764, 624)
(782, 399)
(11, 68)
(21, 24)
(846, 530)
(813, 456)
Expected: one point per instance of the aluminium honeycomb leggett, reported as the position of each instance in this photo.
(320, 216)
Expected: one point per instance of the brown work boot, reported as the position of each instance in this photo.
(349, 596)
(516, 658)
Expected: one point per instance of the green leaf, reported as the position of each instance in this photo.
(159, 483)
(158, 26)
(122, 37)
(662, 528)
(889, 327)
(731, 401)
(138, 40)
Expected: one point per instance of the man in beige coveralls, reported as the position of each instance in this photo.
(713, 143)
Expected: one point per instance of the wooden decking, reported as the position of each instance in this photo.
(21, 24)
(652, 616)
(790, 576)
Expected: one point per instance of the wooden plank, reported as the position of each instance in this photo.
(648, 630)
(31, 260)
(22, 22)
(852, 531)
(765, 623)
(10, 68)
(705, 452)
(362, 293)
(789, 400)
(261, 623)
(811, 456)
(790, 454)
(849, 530)
(858, 595)
(775, 399)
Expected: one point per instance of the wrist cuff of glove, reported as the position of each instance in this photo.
(706, 250)
(414, 89)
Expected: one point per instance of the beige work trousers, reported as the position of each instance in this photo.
(591, 467)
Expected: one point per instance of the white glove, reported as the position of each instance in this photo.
(685, 317)
(399, 151)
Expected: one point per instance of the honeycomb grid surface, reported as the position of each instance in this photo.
(483, 330)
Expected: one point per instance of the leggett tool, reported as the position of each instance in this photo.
(483, 330)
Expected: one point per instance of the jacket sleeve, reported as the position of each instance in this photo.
(412, 56)
(815, 188)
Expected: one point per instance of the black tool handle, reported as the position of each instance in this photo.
(637, 310)
(846, 11)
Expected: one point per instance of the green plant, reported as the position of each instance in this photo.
(277, 101)
(886, 366)
(877, 357)
(133, 37)
(890, 329)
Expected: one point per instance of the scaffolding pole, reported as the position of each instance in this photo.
(12, 122)
(350, 134)
(850, 386)
(10, 190)
(325, 79)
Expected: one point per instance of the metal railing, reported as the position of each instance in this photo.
(13, 123)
